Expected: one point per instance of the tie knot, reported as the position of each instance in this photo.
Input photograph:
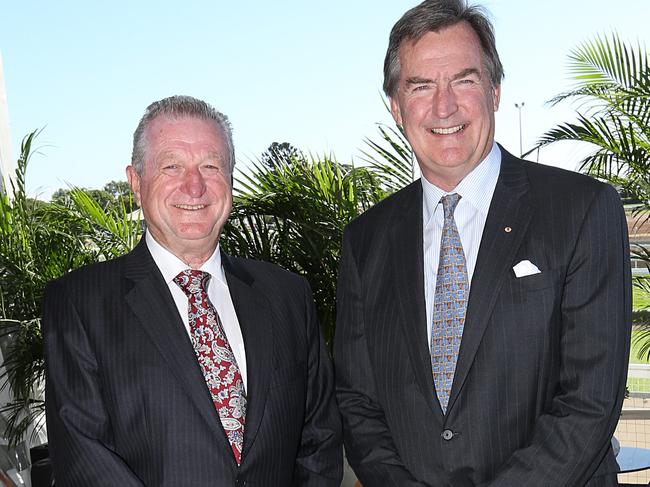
(449, 203)
(192, 281)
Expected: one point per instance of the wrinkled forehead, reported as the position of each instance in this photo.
(183, 153)
(165, 134)
(184, 127)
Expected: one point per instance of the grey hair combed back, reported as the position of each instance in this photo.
(175, 107)
(433, 16)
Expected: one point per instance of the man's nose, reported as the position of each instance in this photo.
(194, 183)
(444, 102)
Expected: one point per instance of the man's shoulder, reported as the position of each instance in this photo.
(545, 174)
(95, 274)
(551, 178)
(566, 191)
(261, 271)
(550, 186)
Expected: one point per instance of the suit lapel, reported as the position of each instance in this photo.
(408, 258)
(506, 224)
(150, 300)
(255, 321)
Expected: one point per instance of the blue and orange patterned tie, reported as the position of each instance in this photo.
(215, 357)
(449, 305)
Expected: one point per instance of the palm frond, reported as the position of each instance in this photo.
(392, 160)
(293, 213)
(612, 88)
(38, 242)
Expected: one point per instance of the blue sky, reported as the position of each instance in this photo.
(309, 73)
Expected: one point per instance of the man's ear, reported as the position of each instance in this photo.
(134, 182)
(395, 111)
(496, 97)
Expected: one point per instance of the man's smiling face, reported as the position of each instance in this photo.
(185, 187)
(445, 103)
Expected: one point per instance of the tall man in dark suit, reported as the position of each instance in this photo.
(484, 310)
(179, 365)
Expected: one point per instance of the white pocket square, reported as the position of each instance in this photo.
(525, 268)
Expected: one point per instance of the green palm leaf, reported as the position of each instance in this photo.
(612, 90)
(38, 242)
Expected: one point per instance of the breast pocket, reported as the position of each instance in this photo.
(536, 282)
(529, 305)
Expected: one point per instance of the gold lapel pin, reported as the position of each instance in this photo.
(507, 229)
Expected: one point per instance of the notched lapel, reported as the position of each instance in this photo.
(150, 300)
(507, 223)
(255, 319)
(408, 259)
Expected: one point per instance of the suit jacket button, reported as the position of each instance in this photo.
(447, 435)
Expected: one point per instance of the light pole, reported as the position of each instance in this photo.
(519, 106)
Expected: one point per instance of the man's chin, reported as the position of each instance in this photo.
(197, 235)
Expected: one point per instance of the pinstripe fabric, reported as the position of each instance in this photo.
(541, 372)
(126, 402)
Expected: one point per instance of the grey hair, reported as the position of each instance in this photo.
(175, 107)
(433, 16)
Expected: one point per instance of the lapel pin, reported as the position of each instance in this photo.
(507, 229)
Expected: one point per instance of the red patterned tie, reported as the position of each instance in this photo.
(215, 357)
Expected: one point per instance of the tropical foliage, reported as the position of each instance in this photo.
(39, 242)
(291, 209)
(114, 195)
(391, 158)
(612, 87)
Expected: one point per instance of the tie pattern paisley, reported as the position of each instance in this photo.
(215, 357)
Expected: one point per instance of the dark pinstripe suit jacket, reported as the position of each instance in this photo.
(127, 404)
(541, 371)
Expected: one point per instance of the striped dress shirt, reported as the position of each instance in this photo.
(476, 191)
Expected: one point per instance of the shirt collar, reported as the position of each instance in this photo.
(476, 188)
(170, 265)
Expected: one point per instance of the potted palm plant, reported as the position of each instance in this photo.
(40, 241)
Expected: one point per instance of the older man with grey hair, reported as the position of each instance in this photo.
(483, 311)
(177, 364)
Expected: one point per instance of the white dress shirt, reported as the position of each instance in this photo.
(218, 293)
(476, 191)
